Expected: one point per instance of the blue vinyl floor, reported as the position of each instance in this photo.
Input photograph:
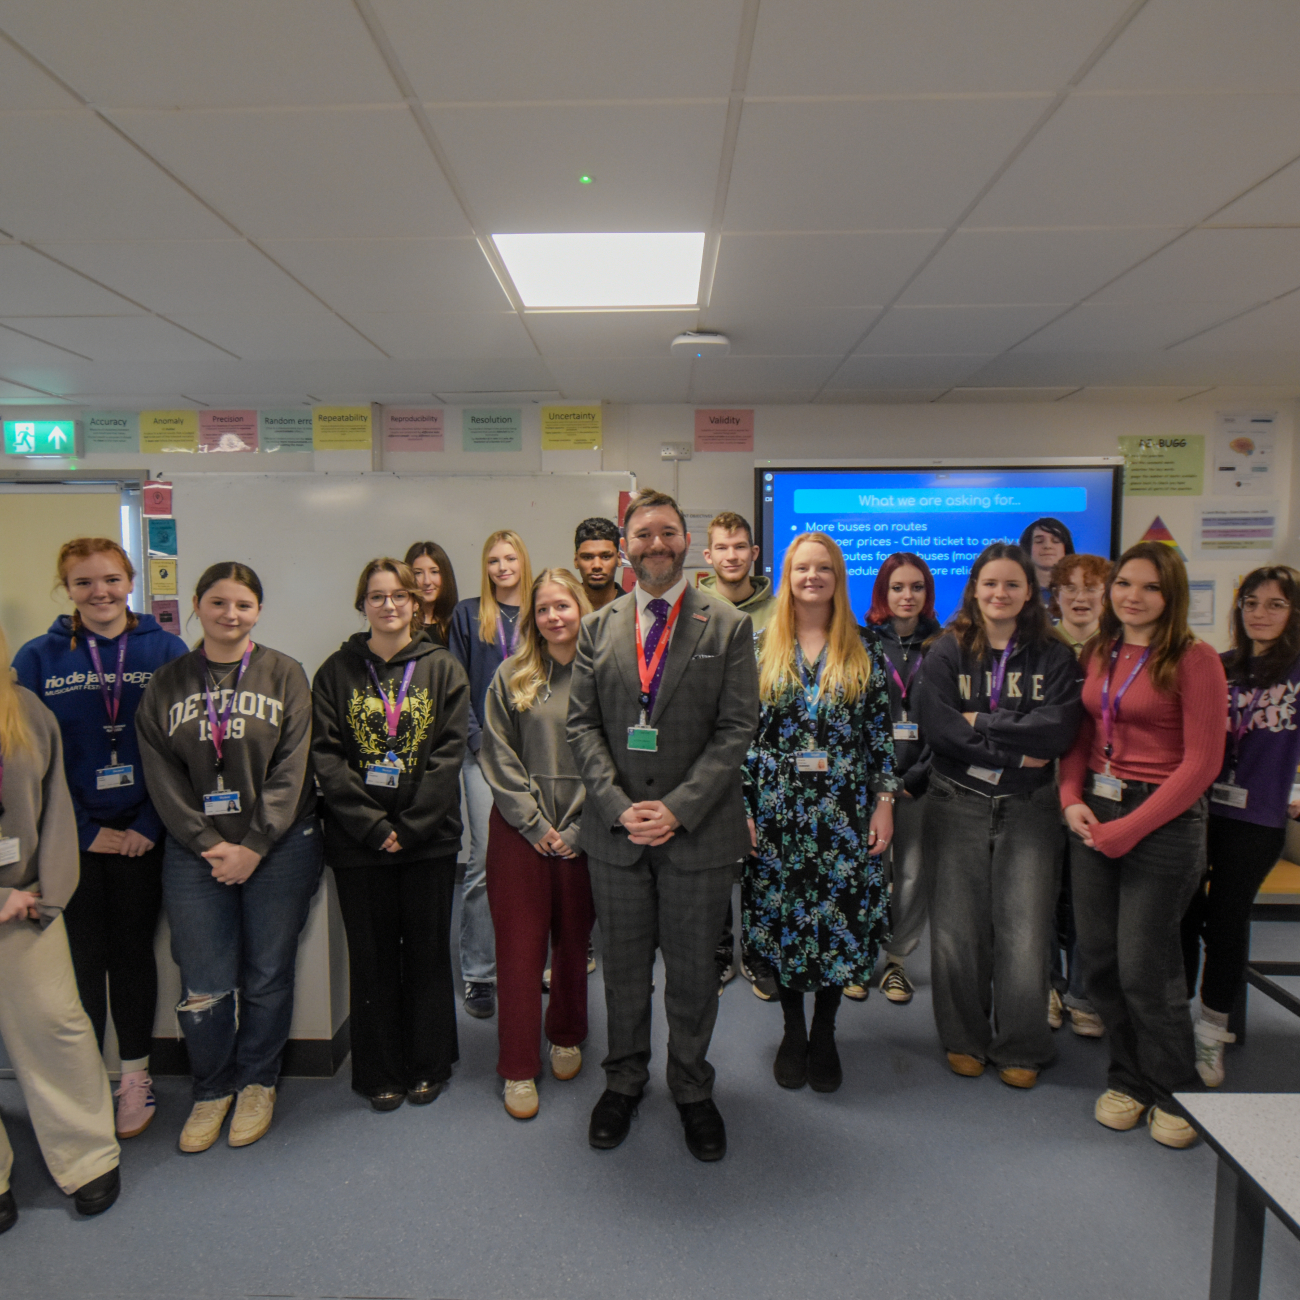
(909, 1182)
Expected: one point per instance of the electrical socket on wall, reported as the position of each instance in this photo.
(675, 451)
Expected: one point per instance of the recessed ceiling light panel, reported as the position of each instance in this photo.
(604, 270)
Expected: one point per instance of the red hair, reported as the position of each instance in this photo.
(879, 611)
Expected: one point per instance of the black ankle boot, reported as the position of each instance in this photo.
(791, 1065)
(824, 1072)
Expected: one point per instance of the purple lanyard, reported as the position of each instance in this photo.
(905, 686)
(1000, 675)
(1238, 728)
(112, 703)
(1109, 712)
(501, 637)
(392, 712)
(215, 725)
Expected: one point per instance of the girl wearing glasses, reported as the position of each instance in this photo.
(390, 707)
(1249, 801)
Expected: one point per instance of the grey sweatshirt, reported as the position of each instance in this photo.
(38, 813)
(266, 753)
(527, 761)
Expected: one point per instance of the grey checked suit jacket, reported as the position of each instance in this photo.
(706, 712)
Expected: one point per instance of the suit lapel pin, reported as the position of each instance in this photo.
(703, 618)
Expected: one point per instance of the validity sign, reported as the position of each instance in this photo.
(40, 437)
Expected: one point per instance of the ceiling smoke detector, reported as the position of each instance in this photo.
(700, 345)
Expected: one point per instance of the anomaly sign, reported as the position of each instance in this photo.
(40, 437)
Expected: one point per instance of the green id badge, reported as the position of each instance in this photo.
(643, 738)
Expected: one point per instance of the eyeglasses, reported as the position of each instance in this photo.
(1252, 606)
(1091, 590)
(378, 599)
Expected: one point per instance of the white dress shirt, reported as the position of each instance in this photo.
(643, 598)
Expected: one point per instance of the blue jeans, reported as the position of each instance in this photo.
(478, 952)
(239, 942)
(994, 881)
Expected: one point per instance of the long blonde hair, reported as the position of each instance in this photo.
(530, 664)
(489, 612)
(15, 734)
(848, 666)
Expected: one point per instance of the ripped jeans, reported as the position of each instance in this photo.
(237, 946)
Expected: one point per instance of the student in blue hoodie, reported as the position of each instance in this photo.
(90, 669)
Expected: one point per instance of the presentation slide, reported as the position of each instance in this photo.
(945, 516)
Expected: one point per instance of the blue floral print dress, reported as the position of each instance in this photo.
(814, 901)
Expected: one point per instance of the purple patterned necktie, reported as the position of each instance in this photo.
(659, 608)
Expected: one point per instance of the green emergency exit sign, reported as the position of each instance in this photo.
(40, 437)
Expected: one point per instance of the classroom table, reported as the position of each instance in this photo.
(1257, 1139)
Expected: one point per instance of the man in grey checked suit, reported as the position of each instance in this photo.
(660, 746)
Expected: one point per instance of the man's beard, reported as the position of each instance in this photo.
(594, 583)
(647, 579)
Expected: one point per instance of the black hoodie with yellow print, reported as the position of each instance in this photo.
(350, 736)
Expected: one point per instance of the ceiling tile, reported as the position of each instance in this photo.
(168, 55)
(1242, 267)
(772, 374)
(905, 372)
(878, 396)
(654, 167)
(412, 335)
(912, 331)
(1113, 327)
(100, 188)
(393, 274)
(32, 285)
(807, 272)
(608, 334)
(1103, 394)
(190, 275)
(1198, 45)
(1144, 369)
(1026, 266)
(614, 49)
(644, 379)
(1274, 328)
(119, 338)
(307, 334)
(773, 332)
(1135, 160)
(24, 86)
(1225, 395)
(890, 164)
(1275, 202)
(302, 174)
(852, 47)
(1000, 395)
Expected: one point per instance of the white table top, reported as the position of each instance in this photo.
(1259, 1132)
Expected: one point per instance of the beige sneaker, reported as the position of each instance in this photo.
(1087, 1024)
(565, 1062)
(252, 1116)
(1055, 1010)
(203, 1127)
(521, 1098)
(1210, 1042)
(1118, 1110)
(855, 993)
(1170, 1130)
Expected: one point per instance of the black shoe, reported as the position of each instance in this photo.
(824, 1072)
(423, 1091)
(8, 1211)
(791, 1064)
(759, 974)
(97, 1195)
(611, 1119)
(706, 1134)
(386, 1098)
(480, 999)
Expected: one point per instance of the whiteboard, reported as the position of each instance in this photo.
(308, 536)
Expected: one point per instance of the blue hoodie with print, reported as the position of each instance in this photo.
(65, 679)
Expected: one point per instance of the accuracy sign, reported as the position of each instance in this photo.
(40, 437)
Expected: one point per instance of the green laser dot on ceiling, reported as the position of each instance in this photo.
(584, 180)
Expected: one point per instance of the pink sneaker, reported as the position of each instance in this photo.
(135, 1106)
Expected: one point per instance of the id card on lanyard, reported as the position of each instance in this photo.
(221, 802)
(389, 772)
(903, 729)
(115, 774)
(1228, 792)
(992, 775)
(817, 759)
(9, 845)
(1104, 785)
(643, 736)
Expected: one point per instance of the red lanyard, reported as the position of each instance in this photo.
(646, 671)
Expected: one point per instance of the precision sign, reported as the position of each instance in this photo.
(40, 437)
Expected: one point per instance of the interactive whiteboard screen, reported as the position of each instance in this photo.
(946, 516)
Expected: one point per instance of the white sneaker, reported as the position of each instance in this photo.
(521, 1098)
(1055, 1010)
(135, 1103)
(1087, 1024)
(1210, 1042)
(565, 1062)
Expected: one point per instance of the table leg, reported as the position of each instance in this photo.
(1238, 1237)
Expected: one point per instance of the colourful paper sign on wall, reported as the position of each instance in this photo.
(169, 431)
(341, 428)
(156, 499)
(162, 536)
(109, 432)
(162, 577)
(413, 429)
(571, 428)
(285, 431)
(168, 613)
(1164, 467)
(490, 430)
(228, 430)
(724, 430)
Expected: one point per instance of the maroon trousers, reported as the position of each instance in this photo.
(533, 898)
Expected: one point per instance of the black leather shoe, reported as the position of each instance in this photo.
(824, 1072)
(8, 1211)
(423, 1091)
(386, 1099)
(791, 1064)
(611, 1119)
(97, 1195)
(706, 1134)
